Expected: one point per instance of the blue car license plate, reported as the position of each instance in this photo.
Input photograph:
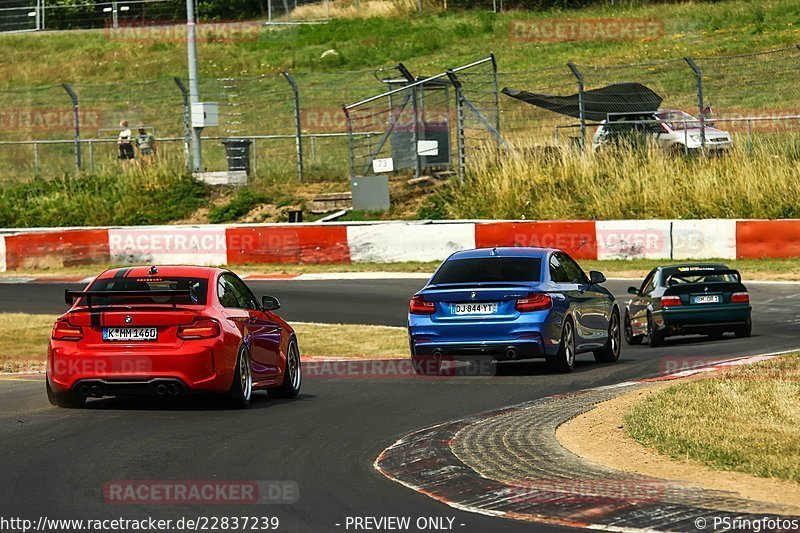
(483, 308)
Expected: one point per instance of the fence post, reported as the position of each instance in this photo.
(91, 156)
(461, 156)
(698, 74)
(581, 103)
(496, 93)
(350, 143)
(187, 128)
(76, 122)
(36, 159)
(415, 111)
(297, 124)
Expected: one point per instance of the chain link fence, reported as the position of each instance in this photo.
(295, 123)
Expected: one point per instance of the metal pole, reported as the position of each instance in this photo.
(297, 124)
(38, 15)
(36, 158)
(749, 139)
(350, 143)
(313, 147)
(114, 15)
(91, 157)
(327, 9)
(269, 11)
(255, 156)
(76, 122)
(581, 109)
(496, 93)
(698, 74)
(187, 129)
(459, 125)
(194, 91)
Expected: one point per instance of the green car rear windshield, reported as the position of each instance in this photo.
(682, 277)
(489, 270)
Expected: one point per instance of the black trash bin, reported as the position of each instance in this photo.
(238, 153)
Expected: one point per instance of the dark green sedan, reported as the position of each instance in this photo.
(687, 300)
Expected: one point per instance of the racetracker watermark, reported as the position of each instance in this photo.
(43, 119)
(597, 29)
(334, 120)
(188, 492)
(587, 490)
(169, 32)
(392, 369)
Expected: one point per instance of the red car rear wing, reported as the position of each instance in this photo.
(71, 296)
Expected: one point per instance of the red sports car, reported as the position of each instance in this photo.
(168, 331)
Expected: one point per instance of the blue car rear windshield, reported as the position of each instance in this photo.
(154, 283)
(489, 270)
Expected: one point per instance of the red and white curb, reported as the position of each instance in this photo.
(394, 241)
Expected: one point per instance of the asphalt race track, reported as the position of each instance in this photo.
(55, 462)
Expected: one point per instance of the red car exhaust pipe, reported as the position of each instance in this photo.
(161, 389)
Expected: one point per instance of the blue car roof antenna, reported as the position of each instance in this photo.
(494, 251)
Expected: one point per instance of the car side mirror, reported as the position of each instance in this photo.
(270, 303)
(633, 290)
(596, 277)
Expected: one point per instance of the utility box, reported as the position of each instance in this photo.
(205, 114)
(370, 193)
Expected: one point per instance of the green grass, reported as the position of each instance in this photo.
(127, 197)
(746, 420)
(110, 77)
(427, 41)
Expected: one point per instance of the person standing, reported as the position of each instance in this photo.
(146, 142)
(124, 142)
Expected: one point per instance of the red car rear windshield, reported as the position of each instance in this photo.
(198, 286)
(489, 270)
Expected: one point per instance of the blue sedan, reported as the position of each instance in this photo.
(511, 304)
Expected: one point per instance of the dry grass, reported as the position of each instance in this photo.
(24, 337)
(23, 341)
(751, 269)
(347, 340)
(746, 420)
(646, 182)
(339, 9)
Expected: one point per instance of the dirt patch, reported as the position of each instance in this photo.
(599, 436)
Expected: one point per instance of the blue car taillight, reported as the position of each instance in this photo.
(534, 302)
(419, 306)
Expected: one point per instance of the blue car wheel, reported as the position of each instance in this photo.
(564, 361)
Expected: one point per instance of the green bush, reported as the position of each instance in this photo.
(150, 196)
(238, 206)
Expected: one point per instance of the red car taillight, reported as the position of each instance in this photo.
(419, 306)
(64, 331)
(670, 301)
(200, 329)
(534, 302)
(740, 298)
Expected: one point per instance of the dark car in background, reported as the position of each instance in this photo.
(705, 299)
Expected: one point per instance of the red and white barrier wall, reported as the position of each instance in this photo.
(386, 242)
